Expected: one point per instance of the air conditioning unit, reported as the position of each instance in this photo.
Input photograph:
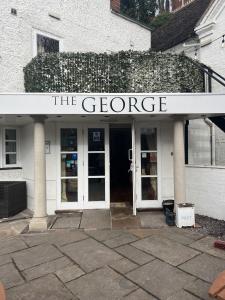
(185, 215)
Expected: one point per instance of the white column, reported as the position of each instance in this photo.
(39, 221)
(179, 162)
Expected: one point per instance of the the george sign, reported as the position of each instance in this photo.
(89, 104)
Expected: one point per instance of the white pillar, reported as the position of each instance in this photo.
(179, 162)
(39, 221)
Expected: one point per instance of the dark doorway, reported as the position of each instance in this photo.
(120, 178)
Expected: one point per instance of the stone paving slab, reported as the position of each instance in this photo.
(90, 254)
(46, 268)
(189, 233)
(180, 235)
(160, 279)
(135, 254)
(122, 218)
(69, 273)
(204, 266)
(144, 232)
(103, 235)
(152, 219)
(9, 276)
(48, 287)
(12, 229)
(11, 245)
(58, 238)
(126, 223)
(120, 240)
(123, 266)
(165, 249)
(103, 284)
(207, 245)
(96, 219)
(182, 295)
(139, 295)
(199, 288)
(63, 222)
(35, 256)
(5, 259)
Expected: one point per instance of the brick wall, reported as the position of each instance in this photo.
(177, 4)
(115, 5)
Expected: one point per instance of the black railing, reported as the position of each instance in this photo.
(209, 75)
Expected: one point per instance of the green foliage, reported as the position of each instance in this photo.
(140, 10)
(145, 11)
(122, 72)
(160, 20)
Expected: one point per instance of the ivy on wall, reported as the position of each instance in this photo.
(122, 72)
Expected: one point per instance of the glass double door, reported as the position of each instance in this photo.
(84, 177)
(84, 167)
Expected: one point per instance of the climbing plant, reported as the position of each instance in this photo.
(122, 72)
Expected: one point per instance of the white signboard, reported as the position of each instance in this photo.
(98, 104)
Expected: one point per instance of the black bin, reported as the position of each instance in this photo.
(170, 217)
(168, 204)
(13, 198)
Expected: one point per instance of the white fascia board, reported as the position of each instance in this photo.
(112, 104)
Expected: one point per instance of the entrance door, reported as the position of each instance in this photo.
(96, 166)
(120, 165)
(70, 167)
(84, 167)
(148, 171)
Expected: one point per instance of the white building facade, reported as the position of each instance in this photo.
(85, 151)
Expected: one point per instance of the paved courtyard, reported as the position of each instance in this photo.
(164, 263)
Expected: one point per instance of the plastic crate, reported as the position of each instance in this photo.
(185, 215)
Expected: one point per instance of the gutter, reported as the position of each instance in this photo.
(130, 19)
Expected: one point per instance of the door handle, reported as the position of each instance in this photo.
(130, 154)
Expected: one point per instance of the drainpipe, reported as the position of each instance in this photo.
(212, 140)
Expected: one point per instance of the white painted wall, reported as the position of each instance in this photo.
(211, 54)
(51, 168)
(11, 175)
(85, 25)
(27, 161)
(210, 51)
(167, 183)
(205, 188)
(199, 150)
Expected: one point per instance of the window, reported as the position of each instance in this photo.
(10, 147)
(45, 43)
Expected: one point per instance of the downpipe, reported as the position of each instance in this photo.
(212, 141)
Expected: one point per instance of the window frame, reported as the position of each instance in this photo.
(18, 162)
(35, 33)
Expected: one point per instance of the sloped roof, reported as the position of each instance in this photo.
(180, 26)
